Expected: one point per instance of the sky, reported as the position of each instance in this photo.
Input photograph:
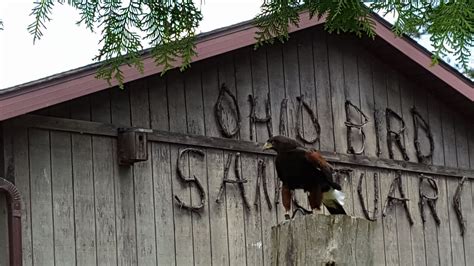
(66, 45)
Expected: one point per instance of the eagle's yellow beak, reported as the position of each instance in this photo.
(267, 146)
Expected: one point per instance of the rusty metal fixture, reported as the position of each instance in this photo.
(359, 126)
(14, 221)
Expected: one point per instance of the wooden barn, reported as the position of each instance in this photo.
(171, 171)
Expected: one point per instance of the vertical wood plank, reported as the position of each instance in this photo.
(243, 87)
(462, 152)
(292, 83)
(234, 203)
(378, 237)
(253, 223)
(367, 104)
(403, 233)
(434, 117)
(277, 95)
(336, 74)
(161, 165)
(245, 79)
(83, 182)
(215, 168)
(352, 93)
(412, 186)
(4, 247)
(417, 233)
(104, 186)
(389, 222)
(6, 167)
(293, 90)
(22, 182)
(323, 89)
(63, 198)
(450, 159)
(470, 134)
(307, 84)
(380, 102)
(407, 102)
(182, 217)
(124, 187)
(260, 85)
(143, 179)
(41, 198)
(430, 231)
(197, 167)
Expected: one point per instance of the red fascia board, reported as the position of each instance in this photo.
(215, 44)
(424, 60)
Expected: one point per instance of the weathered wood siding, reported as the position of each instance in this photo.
(81, 207)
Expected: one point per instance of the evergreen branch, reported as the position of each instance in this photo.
(452, 31)
(169, 26)
(88, 11)
(41, 11)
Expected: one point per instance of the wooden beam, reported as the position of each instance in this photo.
(110, 130)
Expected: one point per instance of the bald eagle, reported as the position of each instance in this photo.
(301, 168)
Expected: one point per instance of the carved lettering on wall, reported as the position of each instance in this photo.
(302, 105)
(457, 205)
(254, 119)
(222, 115)
(427, 199)
(397, 135)
(262, 178)
(420, 123)
(282, 129)
(238, 179)
(350, 124)
(428, 190)
(376, 198)
(188, 179)
(393, 200)
(378, 117)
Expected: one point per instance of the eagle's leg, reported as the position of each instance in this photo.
(315, 197)
(286, 198)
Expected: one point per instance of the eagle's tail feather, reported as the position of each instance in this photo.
(334, 201)
(336, 209)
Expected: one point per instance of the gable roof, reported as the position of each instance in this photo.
(55, 89)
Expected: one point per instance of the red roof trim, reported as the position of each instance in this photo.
(424, 60)
(77, 84)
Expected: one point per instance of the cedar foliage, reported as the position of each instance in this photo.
(169, 26)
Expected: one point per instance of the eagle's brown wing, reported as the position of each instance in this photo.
(318, 162)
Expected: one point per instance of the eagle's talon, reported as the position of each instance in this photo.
(302, 210)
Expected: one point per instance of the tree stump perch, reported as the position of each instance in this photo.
(323, 240)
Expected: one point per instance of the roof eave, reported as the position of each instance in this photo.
(76, 83)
